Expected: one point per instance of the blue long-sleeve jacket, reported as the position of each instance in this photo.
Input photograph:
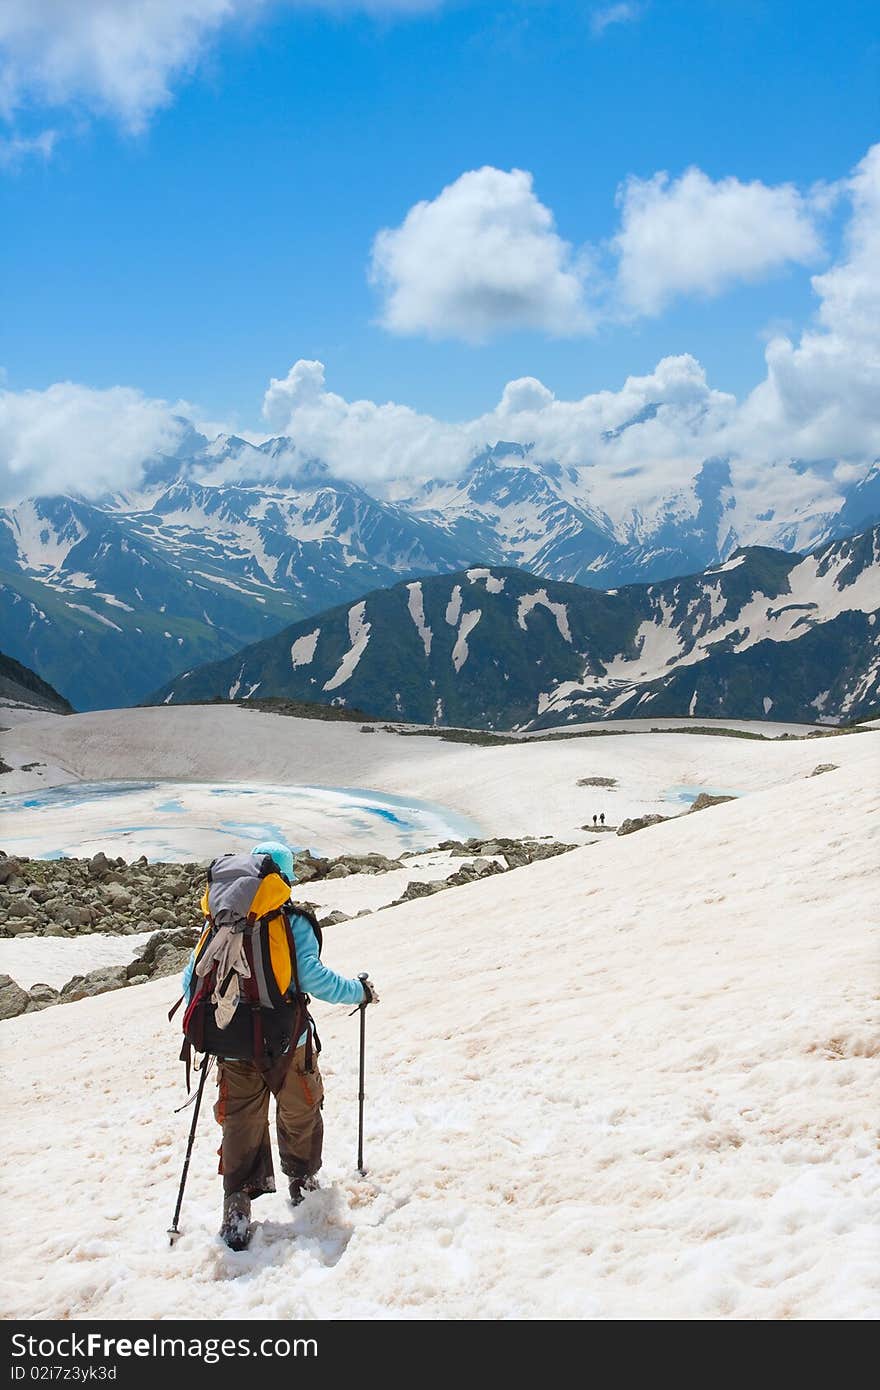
(315, 977)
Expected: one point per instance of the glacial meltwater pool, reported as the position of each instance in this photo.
(177, 821)
(686, 796)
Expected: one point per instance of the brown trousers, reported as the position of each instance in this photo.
(242, 1109)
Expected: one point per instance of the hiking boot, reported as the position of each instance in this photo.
(236, 1228)
(300, 1186)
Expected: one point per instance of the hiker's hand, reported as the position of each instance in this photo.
(371, 995)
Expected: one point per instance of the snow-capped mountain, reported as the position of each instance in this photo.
(110, 597)
(764, 635)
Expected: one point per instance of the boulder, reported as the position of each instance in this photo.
(417, 889)
(630, 825)
(169, 960)
(22, 907)
(13, 999)
(704, 801)
(9, 868)
(109, 977)
(41, 997)
(117, 894)
(823, 767)
(99, 865)
(40, 991)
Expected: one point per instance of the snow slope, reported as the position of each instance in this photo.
(638, 1081)
(522, 788)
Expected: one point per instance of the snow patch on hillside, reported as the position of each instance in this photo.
(728, 565)
(99, 617)
(469, 621)
(359, 635)
(453, 607)
(494, 584)
(236, 685)
(417, 613)
(302, 652)
(542, 600)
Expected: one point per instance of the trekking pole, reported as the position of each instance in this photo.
(172, 1229)
(361, 1169)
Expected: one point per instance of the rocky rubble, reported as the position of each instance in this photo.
(73, 897)
(515, 853)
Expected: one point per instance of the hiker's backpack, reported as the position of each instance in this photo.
(246, 1003)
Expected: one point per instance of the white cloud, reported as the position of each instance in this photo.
(369, 442)
(71, 438)
(360, 439)
(821, 396)
(694, 236)
(17, 148)
(820, 399)
(123, 58)
(117, 57)
(600, 20)
(481, 258)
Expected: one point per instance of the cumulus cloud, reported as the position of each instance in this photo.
(484, 257)
(602, 19)
(480, 258)
(821, 395)
(693, 235)
(369, 442)
(819, 400)
(360, 439)
(123, 58)
(71, 438)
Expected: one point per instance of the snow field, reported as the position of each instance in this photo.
(53, 960)
(636, 1081)
(523, 788)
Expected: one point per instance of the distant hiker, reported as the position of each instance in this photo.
(594, 820)
(247, 988)
(602, 817)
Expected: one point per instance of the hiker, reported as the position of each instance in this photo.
(278, 1064)
(594, 820)
(602, 817)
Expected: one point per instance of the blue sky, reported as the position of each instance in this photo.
(230, 236)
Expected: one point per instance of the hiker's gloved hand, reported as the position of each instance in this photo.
(371, 995)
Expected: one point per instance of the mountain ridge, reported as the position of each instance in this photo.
(499, 648)
(112, 596)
